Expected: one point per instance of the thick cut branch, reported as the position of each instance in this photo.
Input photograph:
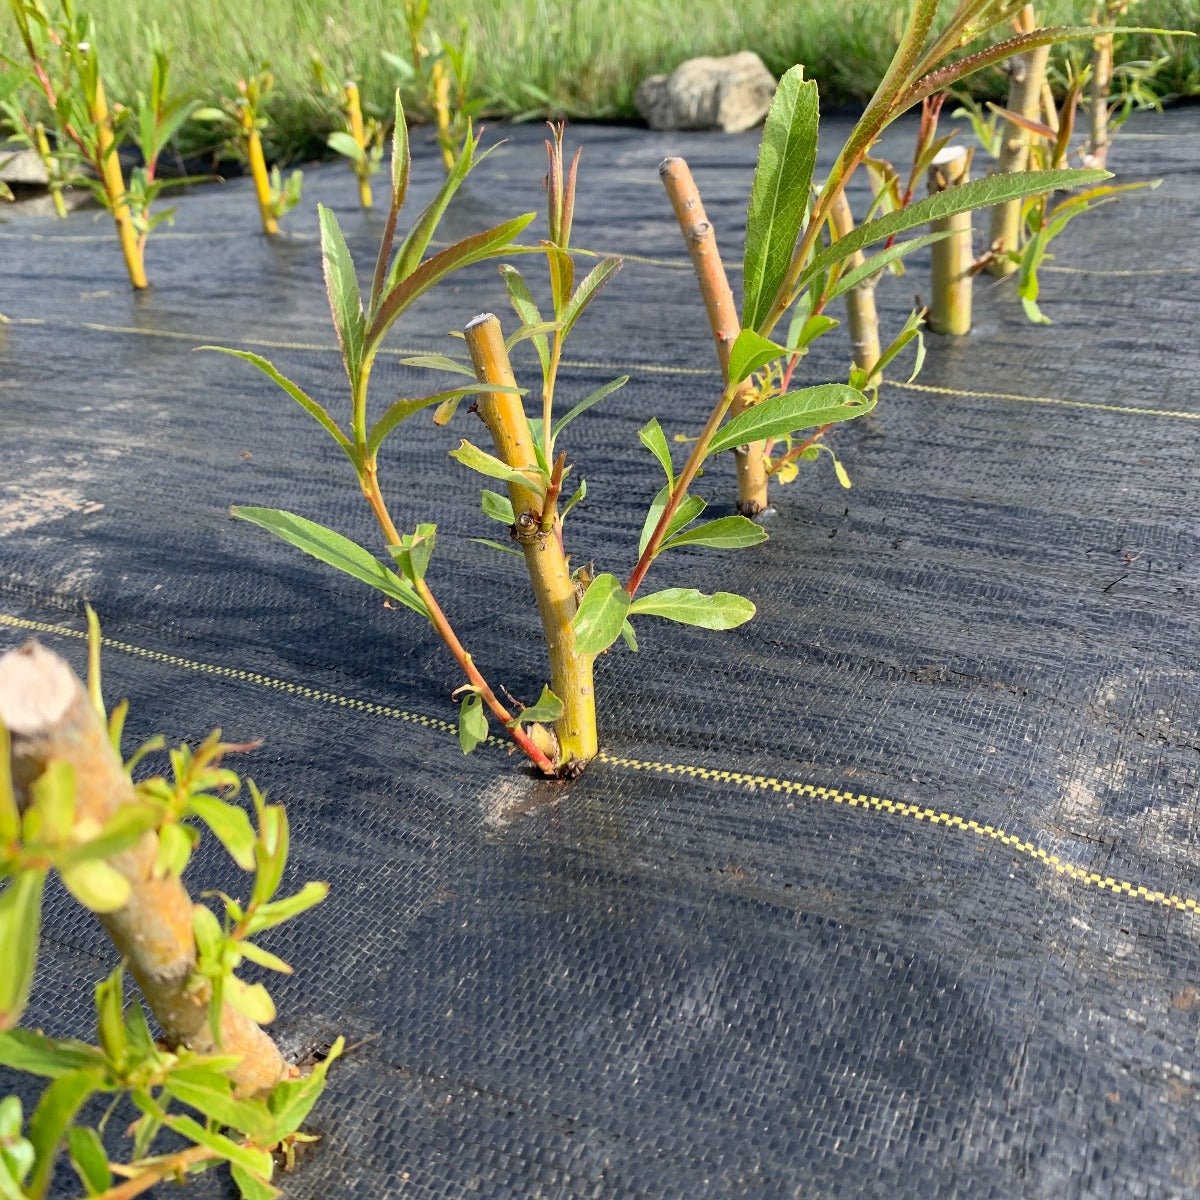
(701, 243)
(1027, 74)
(114, 185)
(950, 304)
(538, 532)
(861, 314)
(258, 173)
(50, 719)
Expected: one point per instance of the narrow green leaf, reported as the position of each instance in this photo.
(601, 614)
(263, 958)
(278, 911)
(401, 410)
(401, 155)
(492, 544)
(547, 710)
(525, 306)
(89, 1159)
(341, 283)
(793, 411)
(472, 722)
(652, 437)
(586, 292)
(342, 143)
(20, 922)
(122, 830)
(483, 463)
(332, 548)
(721, 610)
(779, 195)
(599, 394)
(292, 1100)
(414, 552)
(33, 1052)
(257, 1162)
(629, 636)
(498, 507)
(55, 1111)
(725, 533)
(474, 249)
(690, 507)
(230, 826)
(881, 261)
(750, 352)
(306, 402)
(438, 362)
(252, 1186)
(980, 193)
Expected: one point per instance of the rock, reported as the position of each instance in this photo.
(20, 165)
(730, 94)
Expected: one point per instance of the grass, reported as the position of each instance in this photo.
(578, 58)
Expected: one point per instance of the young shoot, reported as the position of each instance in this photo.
(360, 140)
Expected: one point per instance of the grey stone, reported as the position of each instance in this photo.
(18, 164)
(731, 94)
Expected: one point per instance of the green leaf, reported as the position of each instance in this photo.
(123, 829)
(492, 544)
(779, 416)
(414, 552)
(306, 402)
(882, 260)
(230, 826)
(721, 610)
(258, 1162)
(483, 463)
(263, 958)
(447, 402)
(292, 1100)
(498, 507)
(585, 293)
(175, 846)
(599, 394)
(51, 812)
(750, 352)
(279, 911)
(601, 613)
(250, 999)
(438, 362)
(547, 710)
(89, 1159)
(28, 1050)
(652, 437)
(401, 156)
(252, 1186)
(332, 548)
(525, 306)
(629, 636)
(345, 302)
(980, 193)
(690, 507)
(342, 143)
(96, 885)
(780, 193)
(110, 1023)
(474, 249)
(207, 931)
(20, 922)
(725, 533)
(577, 497)
(472, 722)
(55, 1111)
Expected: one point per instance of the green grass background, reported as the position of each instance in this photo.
(579, 58)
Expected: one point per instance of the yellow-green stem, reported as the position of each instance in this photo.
(355, 118)
(861, 313)
(540, 537)
(114, 185)
(1028, 73)
(441, 113)
(701, 242)
(51, 719)
(1102, 69)
(43, 149)
(952, 258)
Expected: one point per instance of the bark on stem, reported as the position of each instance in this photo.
(723, 318)
(861, 313)
(952, 258)
(1028, 73)
(354, 116)
(258, 173)
(114, 185)
(51, 719)
(538, 534)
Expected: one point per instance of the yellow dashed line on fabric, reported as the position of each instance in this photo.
(644, 368)
(789, 787)
(1125, 409)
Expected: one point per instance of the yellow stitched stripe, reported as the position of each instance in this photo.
(932, 389)
(790, 787)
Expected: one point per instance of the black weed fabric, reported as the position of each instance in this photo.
(891, 892)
